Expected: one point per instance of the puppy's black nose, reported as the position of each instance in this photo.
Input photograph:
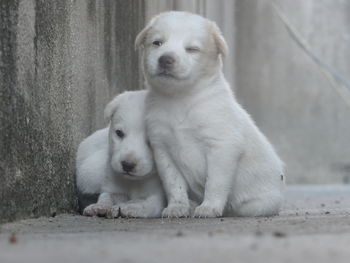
(128, 166)
(166, 61)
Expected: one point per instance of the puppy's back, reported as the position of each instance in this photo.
(94, 142)
(91, 161)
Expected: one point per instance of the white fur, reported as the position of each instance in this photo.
(205, 144)
(91, 162)
(137, 193)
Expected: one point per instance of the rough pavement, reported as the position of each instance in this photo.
(314, 226)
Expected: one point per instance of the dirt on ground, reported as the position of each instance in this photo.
(314, 226)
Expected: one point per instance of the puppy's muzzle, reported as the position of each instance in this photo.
(166, 62)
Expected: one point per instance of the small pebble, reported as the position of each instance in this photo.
(13, 239)
(179, 234)
(327, 213)
(279, 234)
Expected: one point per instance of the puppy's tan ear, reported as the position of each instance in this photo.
(111, 108)
(219, 40)
(140, 38)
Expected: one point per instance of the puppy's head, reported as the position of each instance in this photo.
(129, 149)
(179, 49)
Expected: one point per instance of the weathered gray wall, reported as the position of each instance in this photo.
(286, 93)
(60, 63)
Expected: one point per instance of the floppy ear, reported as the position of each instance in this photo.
(111, 108)
(219, 40)
(140, 38)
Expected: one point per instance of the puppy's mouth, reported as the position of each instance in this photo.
(132, 176)
(166, 74)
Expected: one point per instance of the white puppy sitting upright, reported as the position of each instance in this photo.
(205, 144)
(118, 163)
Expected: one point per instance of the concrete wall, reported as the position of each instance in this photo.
(286, 93)
(60, 63)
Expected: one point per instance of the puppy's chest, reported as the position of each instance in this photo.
(174, 131)
(183, 138)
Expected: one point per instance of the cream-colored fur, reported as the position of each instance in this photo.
(131, 193)
(206, 146)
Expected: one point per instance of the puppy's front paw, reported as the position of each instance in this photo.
(114, 212)
(205, 211)
(176, 211)
(96, 210)
(133, 210)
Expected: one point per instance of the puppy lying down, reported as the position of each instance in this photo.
(117, 163)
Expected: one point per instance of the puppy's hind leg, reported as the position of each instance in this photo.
(219, 180)
(265, 205)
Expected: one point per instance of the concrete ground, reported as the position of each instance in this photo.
(314, 226)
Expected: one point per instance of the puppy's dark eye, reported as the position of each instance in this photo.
(192, 49)
(120, 133)
(157, 43)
